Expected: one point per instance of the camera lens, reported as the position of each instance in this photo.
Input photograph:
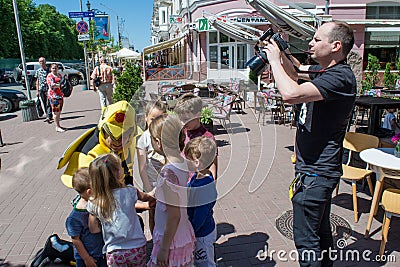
(258, 63)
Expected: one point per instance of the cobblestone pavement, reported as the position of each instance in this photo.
(254, 174)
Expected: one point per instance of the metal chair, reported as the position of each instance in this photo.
(266, 105)
(222, 111)
(212, 89)
(236, 90)
(357, 142)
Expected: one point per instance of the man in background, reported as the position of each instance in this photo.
(42, 88)
(105, 89)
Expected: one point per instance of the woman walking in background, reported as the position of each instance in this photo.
(55, 95)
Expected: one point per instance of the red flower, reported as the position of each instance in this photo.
(119, 117)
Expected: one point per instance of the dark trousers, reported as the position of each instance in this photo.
(46, 104)
(311, 220)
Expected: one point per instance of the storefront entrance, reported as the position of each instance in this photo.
(227, 57)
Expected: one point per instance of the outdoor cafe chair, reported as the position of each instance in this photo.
(390, 203)
(355, 143)
(266, 105)
(236, 89)
(222, 110)
(283, 110)
(212, 89)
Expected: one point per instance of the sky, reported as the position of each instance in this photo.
(135, 16)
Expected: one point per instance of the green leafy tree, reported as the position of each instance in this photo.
(389, 78)
(127, 83)
(45, 32)
(371, 74)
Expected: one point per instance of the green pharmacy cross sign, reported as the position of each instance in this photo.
(203, 25)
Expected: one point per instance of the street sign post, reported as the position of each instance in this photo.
(83, 37)
(82, 27)
(86, 14)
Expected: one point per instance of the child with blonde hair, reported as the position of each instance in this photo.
(149, 161)
(173, 236)
(87, 246)
(201, 199)
(113, 203)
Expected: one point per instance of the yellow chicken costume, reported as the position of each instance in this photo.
(118, 121)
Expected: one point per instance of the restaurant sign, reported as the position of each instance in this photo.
(251, 20)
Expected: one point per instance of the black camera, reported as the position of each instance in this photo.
(259, 62)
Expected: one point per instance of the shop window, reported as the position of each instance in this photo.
(389, 11)
(241, 56)
(213, 57)
(225, 64)
(224, 38)
(213, 37)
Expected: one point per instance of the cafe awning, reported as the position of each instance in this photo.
(282, 19)
(374, 22)
(234, 31)
(161, 46)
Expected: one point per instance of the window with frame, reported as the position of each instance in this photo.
(387, 11)
(218, 40)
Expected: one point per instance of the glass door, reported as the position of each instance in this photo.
(225, 60)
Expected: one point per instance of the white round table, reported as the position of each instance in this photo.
(384, 164)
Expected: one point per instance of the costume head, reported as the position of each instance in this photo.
(116, 133)
(117, 121)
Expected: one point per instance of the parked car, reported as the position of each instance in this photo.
(10, 76)
(74, 76)
(3, 104)
(12, 98)
(6, 76)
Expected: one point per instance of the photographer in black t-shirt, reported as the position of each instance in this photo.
(327, 101)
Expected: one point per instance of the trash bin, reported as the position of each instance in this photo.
(29, 112)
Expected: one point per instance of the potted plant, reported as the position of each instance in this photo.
(396, 141)
(371, 74)
(206, 118)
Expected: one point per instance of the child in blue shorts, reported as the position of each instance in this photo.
(202, 195)
(87, 246)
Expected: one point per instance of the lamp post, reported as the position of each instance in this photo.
(29, 112)
(87, 69)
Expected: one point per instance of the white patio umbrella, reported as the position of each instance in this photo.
(234, 31)
(127, 53)
(283, 20)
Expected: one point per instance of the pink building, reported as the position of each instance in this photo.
(210, 53)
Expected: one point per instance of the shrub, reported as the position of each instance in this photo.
(127, 83)
(371, 76)
(389, 78)
(206, 115)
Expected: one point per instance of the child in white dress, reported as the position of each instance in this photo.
(173, 237)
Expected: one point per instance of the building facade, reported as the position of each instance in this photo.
(211, 53)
